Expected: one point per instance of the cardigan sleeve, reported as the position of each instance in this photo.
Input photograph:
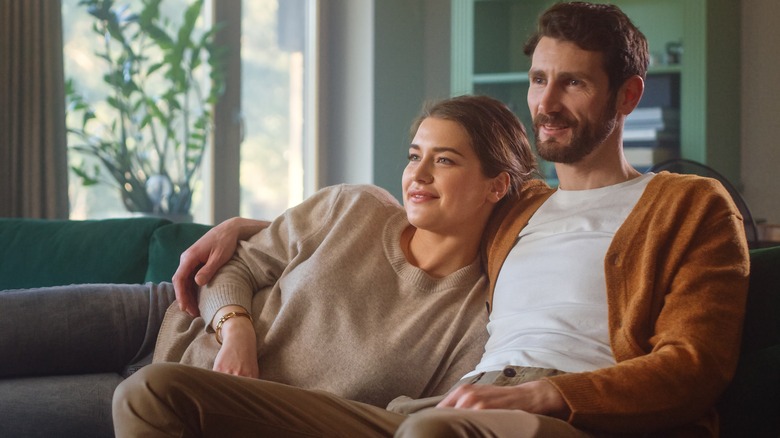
(677, 275)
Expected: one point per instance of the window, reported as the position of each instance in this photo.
(274, 117)
(275, 73)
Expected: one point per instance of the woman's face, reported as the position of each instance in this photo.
(444, 188)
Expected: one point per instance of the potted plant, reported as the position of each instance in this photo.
(151, 136)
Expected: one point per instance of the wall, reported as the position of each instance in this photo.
(346, 92)
(399, 74)
(761, 108)
(366, 108)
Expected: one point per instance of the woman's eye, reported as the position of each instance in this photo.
(413, 157)
(444, 160)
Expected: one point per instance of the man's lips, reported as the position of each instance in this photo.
(552, 126)
(552, 130)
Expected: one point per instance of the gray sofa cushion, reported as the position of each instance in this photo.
(58, 406)
(80, 329)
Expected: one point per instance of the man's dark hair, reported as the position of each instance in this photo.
(600, 28)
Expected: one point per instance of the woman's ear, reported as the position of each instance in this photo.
(499, 186)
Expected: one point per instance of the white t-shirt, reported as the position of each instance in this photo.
(550, 305)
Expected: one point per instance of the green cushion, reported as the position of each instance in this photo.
(166, 246)
(751, 404)
(750, 407)
(762, 324)
(37, 253)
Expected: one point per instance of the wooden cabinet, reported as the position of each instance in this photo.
(487, 58)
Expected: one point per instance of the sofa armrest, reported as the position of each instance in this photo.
(79, 329)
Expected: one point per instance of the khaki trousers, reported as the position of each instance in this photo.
(176, 400)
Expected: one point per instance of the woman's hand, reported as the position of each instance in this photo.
(238, 355)
(199, 263)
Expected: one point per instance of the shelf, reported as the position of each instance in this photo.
(500, 78)
(664, 69)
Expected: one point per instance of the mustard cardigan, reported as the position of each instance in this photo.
(677, 279)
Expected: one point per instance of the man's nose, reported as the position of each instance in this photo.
(550, 101)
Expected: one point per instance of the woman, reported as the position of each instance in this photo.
(352, 294)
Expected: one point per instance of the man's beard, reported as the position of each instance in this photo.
(585, 138)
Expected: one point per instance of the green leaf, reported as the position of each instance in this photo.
(159, 36)
(88, 115)
(86, 178)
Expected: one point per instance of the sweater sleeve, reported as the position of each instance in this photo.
(261, 260)
(677, 284)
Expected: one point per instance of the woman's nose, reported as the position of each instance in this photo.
(422, 172)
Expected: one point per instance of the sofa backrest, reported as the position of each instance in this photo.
(762, 315)
(39, 253)
(166, 246)
(749, 406)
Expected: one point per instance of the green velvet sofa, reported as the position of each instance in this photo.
(66, 348)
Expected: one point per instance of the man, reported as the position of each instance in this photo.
(616, 301)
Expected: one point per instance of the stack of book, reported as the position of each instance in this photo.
(651, 135)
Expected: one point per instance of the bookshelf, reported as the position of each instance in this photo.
(487, 58)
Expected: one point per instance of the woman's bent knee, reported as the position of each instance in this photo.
(147, 382)
(142, 403)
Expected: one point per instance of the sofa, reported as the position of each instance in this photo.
(66, 348)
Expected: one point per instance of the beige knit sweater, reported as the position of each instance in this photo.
(677, 277)
(337, 307)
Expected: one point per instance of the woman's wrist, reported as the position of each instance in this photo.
(231, 320)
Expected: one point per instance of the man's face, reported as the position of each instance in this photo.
(571, 104)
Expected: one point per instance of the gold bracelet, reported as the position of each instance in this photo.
(225, 317)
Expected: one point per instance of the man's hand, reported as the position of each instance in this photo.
(199, 263)
(538, 397)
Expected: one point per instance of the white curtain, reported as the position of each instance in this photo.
(33, 149)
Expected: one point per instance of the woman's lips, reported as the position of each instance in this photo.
(421, 196)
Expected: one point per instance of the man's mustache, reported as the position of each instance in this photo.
(555, 119)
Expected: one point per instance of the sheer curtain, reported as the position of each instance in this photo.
(33, 151)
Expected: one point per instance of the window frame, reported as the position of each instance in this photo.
(223, 187)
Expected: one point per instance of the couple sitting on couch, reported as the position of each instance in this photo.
(615, 302)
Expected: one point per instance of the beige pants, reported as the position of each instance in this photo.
(182, 401)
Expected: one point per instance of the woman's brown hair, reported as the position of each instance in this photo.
(497, 136)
